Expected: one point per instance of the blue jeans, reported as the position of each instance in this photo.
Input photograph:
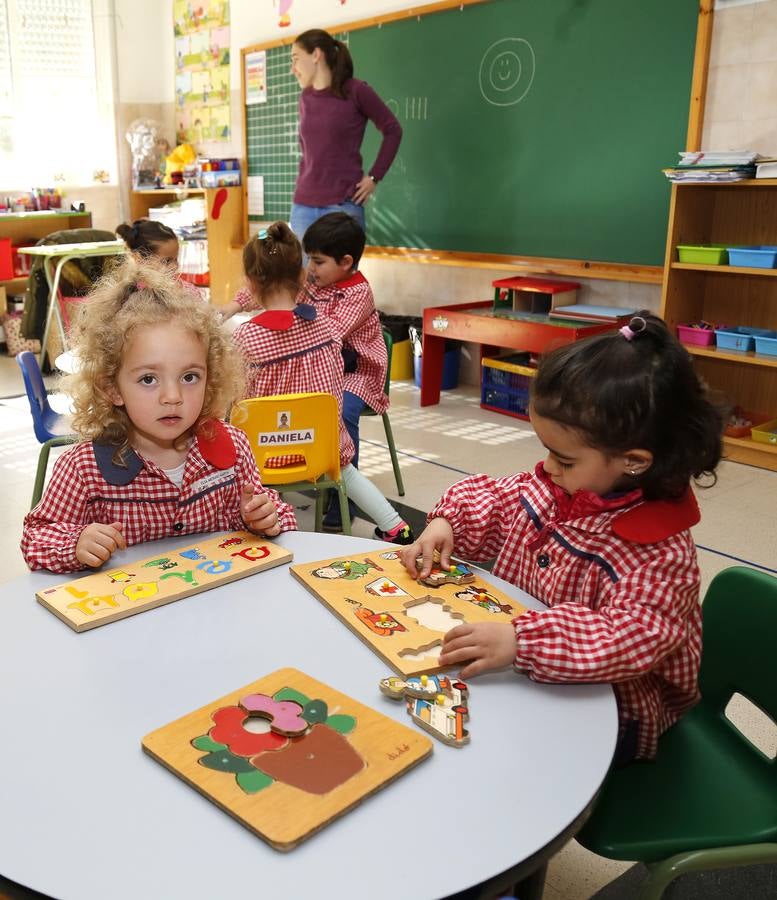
(352, 409)
(302, 217)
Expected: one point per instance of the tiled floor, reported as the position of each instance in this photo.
(438, 445)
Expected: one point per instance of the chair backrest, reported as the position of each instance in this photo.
(739, 616)
(389, 341)
(43, 416)
(294, 437)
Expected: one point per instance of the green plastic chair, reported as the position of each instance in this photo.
(709, 800)
(386, 421)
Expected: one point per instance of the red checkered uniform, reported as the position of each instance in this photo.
(245, 299)
(302, 356)
(351, 305)
(86, 486)
(619, 576)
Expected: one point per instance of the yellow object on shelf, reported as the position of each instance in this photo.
(766, 433)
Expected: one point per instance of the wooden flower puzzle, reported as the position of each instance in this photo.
(321, 754)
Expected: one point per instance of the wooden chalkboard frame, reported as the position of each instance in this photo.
(522, 264)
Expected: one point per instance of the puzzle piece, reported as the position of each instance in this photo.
(457, 573)
(435, 702)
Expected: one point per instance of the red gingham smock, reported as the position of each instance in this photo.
(244, 298)
(287, 353)
(86, 487)
(351, 305)
(619, 576)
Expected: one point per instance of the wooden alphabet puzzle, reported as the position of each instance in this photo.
(402, 620)
(114, 593)
(322, 754)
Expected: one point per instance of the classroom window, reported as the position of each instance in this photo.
(55, 123)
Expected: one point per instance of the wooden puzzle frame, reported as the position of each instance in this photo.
(373, 595)
(287, 788)
(117, 592)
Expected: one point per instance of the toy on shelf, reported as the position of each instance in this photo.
(323, 755)
(436, 702)
(534, 295)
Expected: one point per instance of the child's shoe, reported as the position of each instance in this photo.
(402, 534)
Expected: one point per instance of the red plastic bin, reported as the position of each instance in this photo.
(6, 260)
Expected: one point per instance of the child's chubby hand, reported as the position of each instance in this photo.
(259, 513)
(484, 645)
(98, 543)
(438, 535)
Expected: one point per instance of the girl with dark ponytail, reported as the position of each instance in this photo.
(600, 531)
(334, 108)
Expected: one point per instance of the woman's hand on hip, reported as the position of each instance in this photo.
(364, 190)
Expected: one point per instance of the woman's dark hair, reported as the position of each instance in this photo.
(145, 236)
(336, 54)
(273, 259)
(335, 234)
(635, 388)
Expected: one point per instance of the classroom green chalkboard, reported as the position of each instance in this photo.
(530, 128)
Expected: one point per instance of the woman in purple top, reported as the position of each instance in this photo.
(334, 108)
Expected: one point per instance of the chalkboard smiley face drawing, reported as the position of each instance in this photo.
(506, 71)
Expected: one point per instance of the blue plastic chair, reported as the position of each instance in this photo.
(51, 428)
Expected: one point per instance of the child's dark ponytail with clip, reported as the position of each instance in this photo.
(635, 388)
(336, 54)
(144, 236)
(272, 260)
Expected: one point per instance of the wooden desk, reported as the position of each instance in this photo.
(86, 814)
(55, 256)
(476, 322)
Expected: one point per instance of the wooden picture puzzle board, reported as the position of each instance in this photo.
(114, 593)
(375, 597)
(284, 787)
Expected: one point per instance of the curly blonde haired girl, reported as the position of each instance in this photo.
(155, 457)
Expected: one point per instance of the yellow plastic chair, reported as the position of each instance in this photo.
(295, 439)
(367, 411)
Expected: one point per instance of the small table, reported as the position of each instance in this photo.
(87, 814)
(63, 253)
(477, 323)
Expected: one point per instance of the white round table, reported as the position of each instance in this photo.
(85, 814)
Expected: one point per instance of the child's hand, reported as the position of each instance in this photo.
(229, 310)
(485, 645)
(98, 543)
(259, 512)
(438, 535)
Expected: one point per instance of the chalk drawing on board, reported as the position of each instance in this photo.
(507, 71)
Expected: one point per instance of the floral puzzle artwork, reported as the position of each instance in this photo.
(118, 591)
(286, 754)
(400, 618)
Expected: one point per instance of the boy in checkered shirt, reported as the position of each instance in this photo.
(292, 348)
(599, 531)
(155, 458)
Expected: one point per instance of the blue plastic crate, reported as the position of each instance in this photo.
(759, 256)
(766, 343)
(505, 385)
(738, 337)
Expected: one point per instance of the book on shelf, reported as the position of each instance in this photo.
(766, 168)
(587, 312)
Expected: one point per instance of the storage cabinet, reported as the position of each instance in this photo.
(225, 223)
(740, 213)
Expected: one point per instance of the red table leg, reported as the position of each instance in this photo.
(431, 369)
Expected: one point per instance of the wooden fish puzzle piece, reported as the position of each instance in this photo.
(375, 597)
(324, 754)
(105, 596)
(436, 702)
(456, 573)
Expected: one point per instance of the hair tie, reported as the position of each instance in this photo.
(261, 234)
(634, 327)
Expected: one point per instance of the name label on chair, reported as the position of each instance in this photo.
(287, 436)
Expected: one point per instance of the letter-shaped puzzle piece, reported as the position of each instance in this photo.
(141, 591)
(215, 566)
(284, 715)
(252, 554)
(187, 576)
(94, 602)
(434, 702)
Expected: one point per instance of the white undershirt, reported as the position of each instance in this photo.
(176, 475)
